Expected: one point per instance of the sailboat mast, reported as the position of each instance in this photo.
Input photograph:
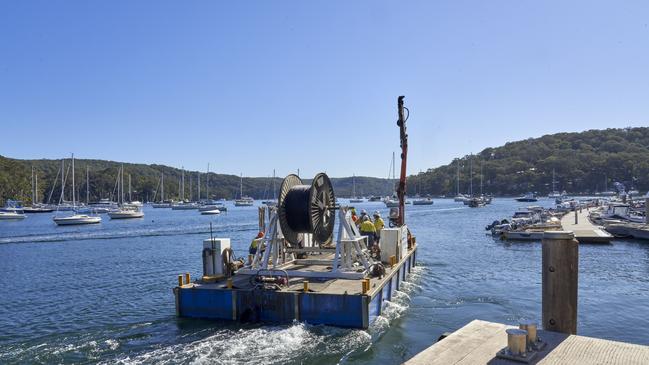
(162, 187)
(73, 187)
(353, 185)
(121, 176)
(62, 181)
(471, 175)
(207, 183)
(33, 191)
(457, 183)
(87, 186)
(36, 186)
(481, 177)
(198, 177)
(130, 197)
(241, 187)
(274, 190)
(182, 184)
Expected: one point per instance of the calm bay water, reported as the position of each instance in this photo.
(102, 293)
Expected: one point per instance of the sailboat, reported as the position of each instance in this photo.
(354, 198)
(391, 202)
(125, 211)
(161, 203)
(459, 197)
(243, 201)
(75, 219)
(272, 202)
(36, 207)
(554, 194)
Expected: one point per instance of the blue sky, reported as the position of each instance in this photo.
(252, 86)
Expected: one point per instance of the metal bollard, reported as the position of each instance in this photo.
(365, 286)
(530, 327)
(576, 217)
(186, 278)
(228, 283)
(180, 280)
(517, 341)
(306, 285)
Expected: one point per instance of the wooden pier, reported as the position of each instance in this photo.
(585, 231)
(479, 341)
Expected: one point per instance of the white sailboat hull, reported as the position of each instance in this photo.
(125, 214)
(76, 219)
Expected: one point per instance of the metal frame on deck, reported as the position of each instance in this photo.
(351, 260)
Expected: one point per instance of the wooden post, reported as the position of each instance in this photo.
(560, 277)
(576, 216)
(262, 219)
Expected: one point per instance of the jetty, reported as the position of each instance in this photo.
(479, 342)
(585, 231)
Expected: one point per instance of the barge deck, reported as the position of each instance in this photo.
(336, 302)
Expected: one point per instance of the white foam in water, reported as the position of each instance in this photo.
(265, 345)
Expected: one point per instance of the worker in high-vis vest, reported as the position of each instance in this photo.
(368, 230)
(379, 224)
(253, 245)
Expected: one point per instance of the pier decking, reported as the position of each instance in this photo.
(585, 231)
(479, 341)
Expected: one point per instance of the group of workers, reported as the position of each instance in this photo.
(368, 227)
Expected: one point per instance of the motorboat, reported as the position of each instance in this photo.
(184, 206)
(161, 205)
(375, 198)
(11, 215)
(12, 206)
(91, 209)
(529, 197)
(245, 201)
(461, 198)
(423, 201)
(391, 203)
(125, 213)
(476, 202)
(206, 208)
(211, 212)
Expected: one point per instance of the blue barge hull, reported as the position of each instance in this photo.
(335, 302)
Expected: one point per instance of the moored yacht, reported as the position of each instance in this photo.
(11, 215)
(243, 201)
(75, 219)
(423, 201)
(529, 197)
(125, 211)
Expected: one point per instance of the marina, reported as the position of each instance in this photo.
(246, 183)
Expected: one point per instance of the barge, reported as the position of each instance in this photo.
(298, 269)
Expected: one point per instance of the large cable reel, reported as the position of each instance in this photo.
(307, 209)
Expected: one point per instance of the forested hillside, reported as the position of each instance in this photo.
(15, 182)
(584, 162)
